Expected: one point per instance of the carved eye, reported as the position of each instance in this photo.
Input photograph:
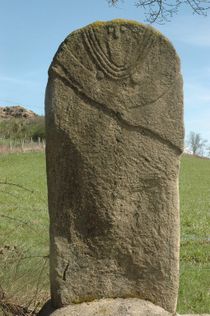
(110, 29)
(123, 28)
(116, 33)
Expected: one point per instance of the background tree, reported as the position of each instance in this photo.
(196, 143)
(162, 10)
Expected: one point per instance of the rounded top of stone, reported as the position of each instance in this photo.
(116, 21)
(130, 64)
(131, 24)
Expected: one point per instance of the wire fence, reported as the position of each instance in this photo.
(21, 145)
(24, 248)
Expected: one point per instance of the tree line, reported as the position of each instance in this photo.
(24, 129)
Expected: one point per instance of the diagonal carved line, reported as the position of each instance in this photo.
(70, 82)
(100, 61)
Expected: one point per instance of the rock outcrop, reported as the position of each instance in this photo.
(8, 112)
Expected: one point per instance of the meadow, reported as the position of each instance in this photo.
(24, 246)
(24, 250)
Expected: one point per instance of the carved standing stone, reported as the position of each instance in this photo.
(114, 117)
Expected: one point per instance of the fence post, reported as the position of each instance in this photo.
(10, 145)
(22, 145)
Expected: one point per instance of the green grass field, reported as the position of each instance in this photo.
(194, 293)
(24, 231)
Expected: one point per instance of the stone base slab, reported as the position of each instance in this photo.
(110, 307)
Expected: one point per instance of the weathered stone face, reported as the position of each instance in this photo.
(114, 138)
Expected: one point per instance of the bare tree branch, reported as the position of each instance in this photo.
(161, 11)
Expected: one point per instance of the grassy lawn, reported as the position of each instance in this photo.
(194, 293)
(24, 231)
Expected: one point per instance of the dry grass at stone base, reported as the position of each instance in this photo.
(24, 276)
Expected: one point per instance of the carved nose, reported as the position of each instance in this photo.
(116, 32)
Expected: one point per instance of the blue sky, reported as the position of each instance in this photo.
(31, 31)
